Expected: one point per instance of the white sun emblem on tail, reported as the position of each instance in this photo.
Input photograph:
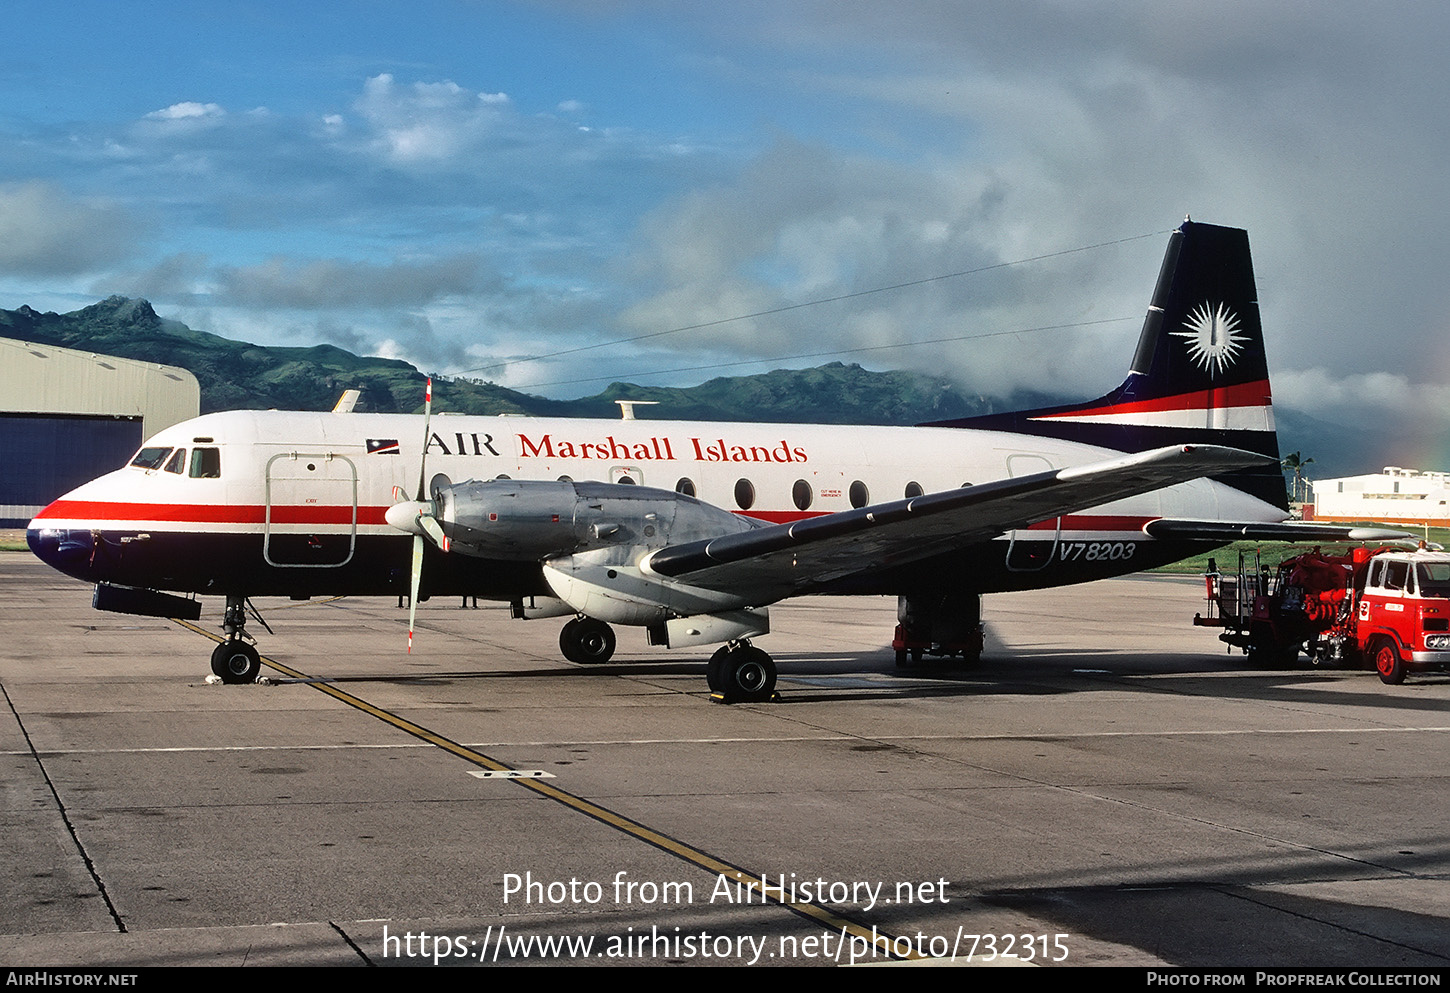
(1212, 334)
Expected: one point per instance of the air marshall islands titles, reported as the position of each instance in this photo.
(656, 448)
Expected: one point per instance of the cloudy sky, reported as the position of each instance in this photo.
(556, 194)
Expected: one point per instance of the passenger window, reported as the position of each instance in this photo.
(685, 485)
(860, 495)
(206, 463)
(913, 489)
(801, 493)
(744, 494)
(150, 458)
(177, 462)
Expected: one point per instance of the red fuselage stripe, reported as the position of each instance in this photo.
(203, 514)
(191, 513)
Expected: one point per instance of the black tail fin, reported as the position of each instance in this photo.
(1199, 374)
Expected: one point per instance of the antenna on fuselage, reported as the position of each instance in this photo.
(626, 407)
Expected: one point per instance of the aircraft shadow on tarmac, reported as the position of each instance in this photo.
(873, 675)
(1221, 924)
(1228, 910)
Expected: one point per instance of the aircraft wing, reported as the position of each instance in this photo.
(1226, 531)
(784, 559)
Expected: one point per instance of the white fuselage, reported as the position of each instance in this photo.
(294, 482)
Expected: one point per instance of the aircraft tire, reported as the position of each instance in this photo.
(1388, 663)
(587, 641)
(236, 662)
(747, 676)
(715, 670)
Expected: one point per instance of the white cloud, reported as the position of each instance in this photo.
(1360, 396)
(427, 122)
(282, 282)
(46, 231)
(188, 111)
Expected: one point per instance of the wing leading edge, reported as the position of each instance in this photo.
(783, 559)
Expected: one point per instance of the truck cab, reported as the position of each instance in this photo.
(1402, 617)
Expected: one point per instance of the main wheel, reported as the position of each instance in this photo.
(1388, 662)
(747, 675)
(587, 641)
(235, 661)
(715, 670)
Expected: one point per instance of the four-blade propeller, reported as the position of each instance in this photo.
(420, 516)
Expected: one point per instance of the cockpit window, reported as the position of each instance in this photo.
(150, 458)
(206, 463)
(177, 462)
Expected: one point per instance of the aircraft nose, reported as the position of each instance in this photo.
(67, 550)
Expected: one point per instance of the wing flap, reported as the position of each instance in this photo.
(781, 559)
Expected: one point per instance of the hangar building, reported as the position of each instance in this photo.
(68, 416)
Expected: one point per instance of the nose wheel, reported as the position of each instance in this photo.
(741, 673)
(237, 660)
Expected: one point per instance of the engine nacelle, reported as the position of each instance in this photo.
(603, 584)
(530, 519)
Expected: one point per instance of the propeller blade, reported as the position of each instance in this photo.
(413, 595)
(427, 437)
(424, 509)
(434, 530)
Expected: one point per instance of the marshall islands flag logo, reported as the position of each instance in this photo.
(382, 446)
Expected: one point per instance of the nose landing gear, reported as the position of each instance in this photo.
(237, 660)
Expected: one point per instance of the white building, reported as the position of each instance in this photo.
(1395, 496)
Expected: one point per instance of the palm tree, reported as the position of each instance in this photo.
(1296, 464)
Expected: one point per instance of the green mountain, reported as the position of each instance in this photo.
(236, 375)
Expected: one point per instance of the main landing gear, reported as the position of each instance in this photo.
(741, 673)
(587, 641)
(945, 624)
(236, 660)
(737, 673)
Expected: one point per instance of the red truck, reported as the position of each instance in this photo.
(1385, 607)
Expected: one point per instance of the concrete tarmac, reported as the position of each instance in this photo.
(1108, 787)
